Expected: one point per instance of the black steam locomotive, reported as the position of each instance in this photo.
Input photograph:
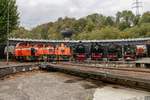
(129, 53)
(97, 51)
(79, 52)
(114, 52)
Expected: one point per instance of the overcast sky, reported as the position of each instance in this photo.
(35, 12)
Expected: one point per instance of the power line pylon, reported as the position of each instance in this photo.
(137, 5)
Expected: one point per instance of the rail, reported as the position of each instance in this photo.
(145, 70)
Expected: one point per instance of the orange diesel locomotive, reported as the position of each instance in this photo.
(45, 52)
(40, 52)
(62, 52)
(25, 52)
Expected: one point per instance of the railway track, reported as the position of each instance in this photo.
(143, 70)
(91, 65)
(135, 78)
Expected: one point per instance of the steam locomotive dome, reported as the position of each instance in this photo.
(67, 32)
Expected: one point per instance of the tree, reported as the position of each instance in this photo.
(130, 33)
(16, 33)
(141, 30)
(44, 32)
(118, 18)
(136, 20)
(24, 34)
(145, 17)
(104, 33)
(125, 19)
(144, 30)
(109, 21)
(94, 21)
(90, 25)
(94, 26)
(8, 7)
(109, 33)
(80, 25)
(53, 34)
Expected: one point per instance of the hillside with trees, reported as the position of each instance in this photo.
(95, 26)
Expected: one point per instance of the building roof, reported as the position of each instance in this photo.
(86, 41)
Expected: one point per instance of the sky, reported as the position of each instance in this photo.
(36, 12)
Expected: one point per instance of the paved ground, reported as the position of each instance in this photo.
(57, 86)
(111, 92)
(45, 86)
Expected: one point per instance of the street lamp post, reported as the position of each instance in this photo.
(8, 32)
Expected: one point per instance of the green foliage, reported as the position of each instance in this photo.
(53, 34)
(21, 32)
(8, 7)
(104, 33)
(145, 17)
(93, 27)
(109, 21)
(142, 30)
(110, 33)
(125, 19)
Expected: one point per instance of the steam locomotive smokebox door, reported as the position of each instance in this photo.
(148, 50)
